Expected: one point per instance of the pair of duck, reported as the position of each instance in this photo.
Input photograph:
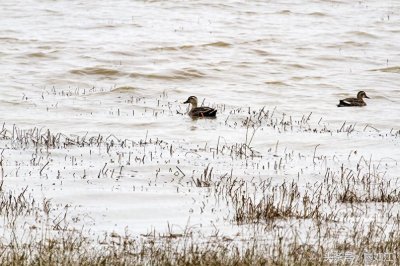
(203, 111)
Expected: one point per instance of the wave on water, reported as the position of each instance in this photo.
(318, 14)
(217, 44)
(330, 58)
(124, 89)
(284, 12)
(123, 53)
(173, 48)
(261, 52)
(38, 55)
(9, 39)
(183, 74)
(362, 34)
(356, 44)
(97, 71)
(191, 46)
(276, 83)
(394, 69)
(298, 66)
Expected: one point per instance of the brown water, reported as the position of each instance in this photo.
(125, 67)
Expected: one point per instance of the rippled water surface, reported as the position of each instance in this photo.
(125, 67)
(296, 55)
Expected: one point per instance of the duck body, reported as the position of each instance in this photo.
(354, 102)
(200, 112)
(203, 112)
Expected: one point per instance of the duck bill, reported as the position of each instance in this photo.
(186, 101)
(367, 97)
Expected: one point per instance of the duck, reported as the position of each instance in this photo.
(359, 101)
(200, 112)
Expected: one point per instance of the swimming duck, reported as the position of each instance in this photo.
(200, 111)
(354, 101)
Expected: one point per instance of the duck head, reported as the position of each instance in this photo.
(362, 94)
(192, 100)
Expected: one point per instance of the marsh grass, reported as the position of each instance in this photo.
(205, 179)
(68, 246)
(318, 201)
(75, 250)
(350, 208)
(51, 245)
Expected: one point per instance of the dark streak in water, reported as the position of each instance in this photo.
(362, 34)
(285, 12)
(8, 39)
(191, 46)
(276, 83)
(300, 66)
(124, 89)
(124, 53)
(184, 74)
(97, 71)
(261, 52)
(330, 58)
(217, 44)
(318, 14)
(39, 55)
(395, 69)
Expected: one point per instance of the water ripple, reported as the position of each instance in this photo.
(97, 71)
(394, 69)
(191, 46)
(184, 74)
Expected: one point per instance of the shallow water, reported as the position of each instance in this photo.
(125, 67)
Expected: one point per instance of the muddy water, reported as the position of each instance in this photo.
(125, 67)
